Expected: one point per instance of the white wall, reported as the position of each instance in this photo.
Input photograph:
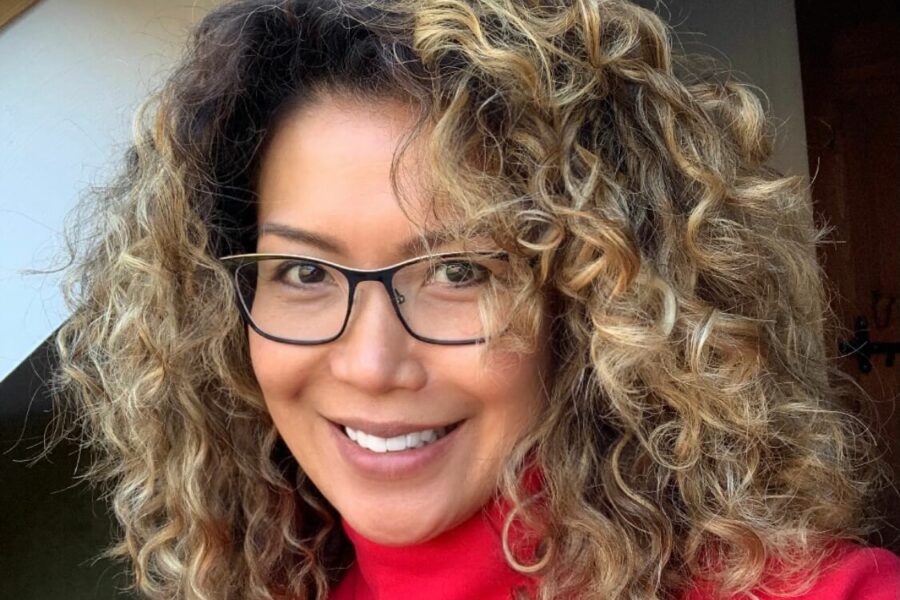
(71, 74)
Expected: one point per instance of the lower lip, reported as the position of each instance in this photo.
(389, 466)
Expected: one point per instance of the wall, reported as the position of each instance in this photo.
(71, 75)
(758, 39)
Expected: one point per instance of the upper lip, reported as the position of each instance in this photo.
(388, 429)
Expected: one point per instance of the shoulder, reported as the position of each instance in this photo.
(859, 573)
(852, 573)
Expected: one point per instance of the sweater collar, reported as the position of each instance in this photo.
(464, 562)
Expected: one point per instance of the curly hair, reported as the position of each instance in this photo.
(695, 429)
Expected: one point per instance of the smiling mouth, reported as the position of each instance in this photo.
(399, 443)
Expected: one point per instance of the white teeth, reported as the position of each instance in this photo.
(376, 444)
(395, 444)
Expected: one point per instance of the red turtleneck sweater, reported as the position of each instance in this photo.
(466, 563)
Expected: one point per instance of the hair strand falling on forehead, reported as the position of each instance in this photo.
(693, 428)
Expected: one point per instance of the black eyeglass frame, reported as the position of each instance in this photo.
(354, 277)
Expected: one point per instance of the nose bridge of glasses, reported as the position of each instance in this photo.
(363, 301)
(384, 278)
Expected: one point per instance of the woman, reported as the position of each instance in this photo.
(453, 299)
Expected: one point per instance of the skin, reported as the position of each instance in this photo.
(327, 171)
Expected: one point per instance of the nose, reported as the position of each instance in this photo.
(375, 352)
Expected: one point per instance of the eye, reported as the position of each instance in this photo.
(300, 273)
(460, 273)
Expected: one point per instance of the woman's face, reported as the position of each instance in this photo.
(326, 176)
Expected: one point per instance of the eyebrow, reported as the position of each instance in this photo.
(411, 247)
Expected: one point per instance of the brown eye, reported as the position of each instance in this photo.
(300, 273)
(460, 273)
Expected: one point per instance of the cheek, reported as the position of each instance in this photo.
(281, 370)
(284, 373)
(509, 386)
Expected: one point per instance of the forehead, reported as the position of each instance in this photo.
(341, 147)
(328, 169)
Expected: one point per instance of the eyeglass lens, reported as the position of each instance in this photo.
(438, 298)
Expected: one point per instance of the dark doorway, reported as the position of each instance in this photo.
(850, 62)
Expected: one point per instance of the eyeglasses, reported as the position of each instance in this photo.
(438, 298)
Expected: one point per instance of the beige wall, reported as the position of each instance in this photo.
(758, 39)
(71, 74)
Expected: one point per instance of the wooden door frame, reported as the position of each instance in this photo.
(10, 9)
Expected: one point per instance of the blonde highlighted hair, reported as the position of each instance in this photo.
(693, 432)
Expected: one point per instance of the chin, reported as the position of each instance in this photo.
(399, 527)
